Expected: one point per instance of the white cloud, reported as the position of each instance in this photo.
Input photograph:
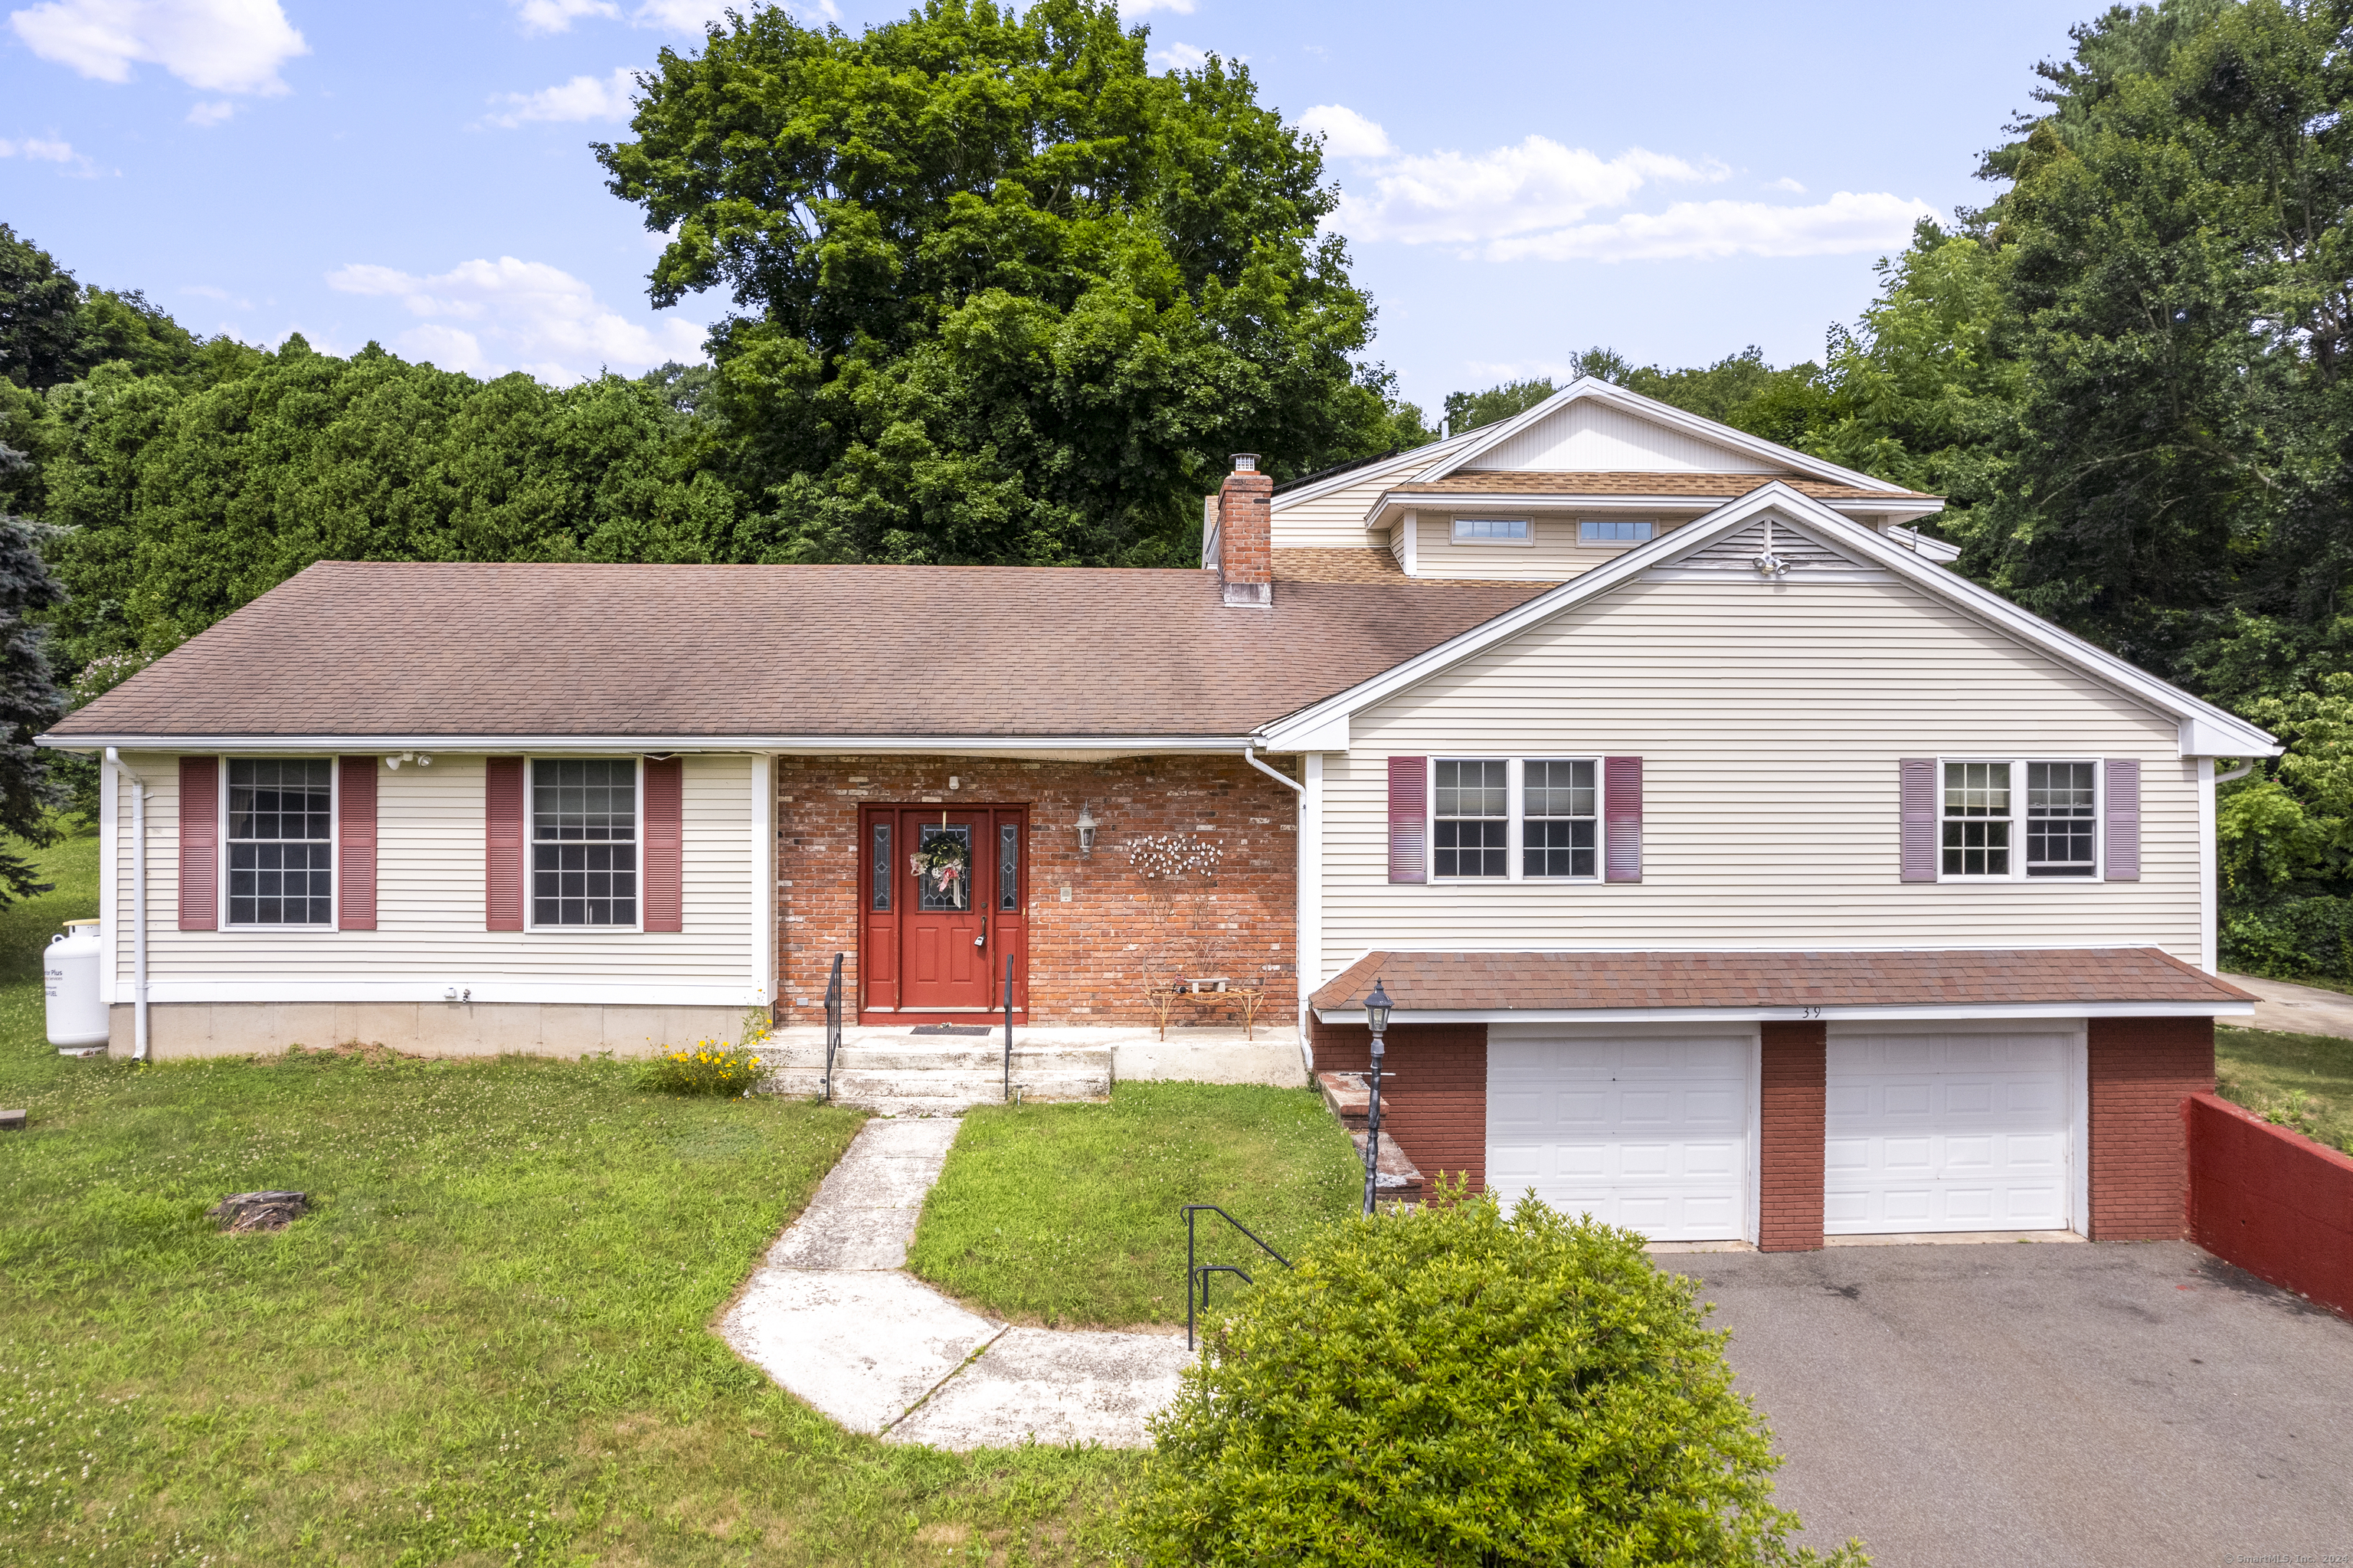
(1846, 223)
(207, 292)
(213, 113)
(1129, 8)
(39, 150)
(582, 98)
(557, 16)
(1180, 57)
(1346, 132)
(1451, 198)
(519, 315)
(668, 16)
(214, 46)
(1786, 184)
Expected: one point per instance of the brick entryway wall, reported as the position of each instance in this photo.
(1093, 956)
(1436, 1107)
(2140, 1071)
(1793, 1080)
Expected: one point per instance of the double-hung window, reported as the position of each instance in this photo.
(2003, 820)
(1516, 819)
(1472, 807)
(1559, 818)
(281, 840)
(584, 842)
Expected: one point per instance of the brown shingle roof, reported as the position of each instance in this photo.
(403, 648)
(1340, 565)
(1698, 486)
(1465, 982)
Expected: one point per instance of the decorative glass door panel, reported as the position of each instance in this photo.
(944, 896)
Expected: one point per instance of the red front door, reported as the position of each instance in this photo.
(945, 903)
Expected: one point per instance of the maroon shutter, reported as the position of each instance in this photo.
(1916, 807)
(200, 843)
(664, 896)
(2123, 819)
(356, 845)
(1408, 819)
(1622, 818)
(503, 810)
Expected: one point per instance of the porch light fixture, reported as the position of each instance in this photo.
(1376, 1018)
(1086, 825)
(419, 757)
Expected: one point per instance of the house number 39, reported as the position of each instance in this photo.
(1809, 1012)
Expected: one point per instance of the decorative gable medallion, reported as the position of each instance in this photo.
(1769, 550)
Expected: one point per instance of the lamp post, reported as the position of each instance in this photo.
(1376, 1018)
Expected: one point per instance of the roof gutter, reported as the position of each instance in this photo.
(1861, 1013)
(564, 745)
(1293, 785)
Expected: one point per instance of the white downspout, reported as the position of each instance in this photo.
(138, 904)
(1302, 897)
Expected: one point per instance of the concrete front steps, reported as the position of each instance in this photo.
(903, 1074)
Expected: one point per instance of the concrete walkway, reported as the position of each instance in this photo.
(2297, 1009)
(834, 1318)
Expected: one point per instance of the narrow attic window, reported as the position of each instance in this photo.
(1614, 531)
(1491, 531)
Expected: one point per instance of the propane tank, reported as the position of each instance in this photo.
(77, 1021)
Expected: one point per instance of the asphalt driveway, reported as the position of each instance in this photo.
(2141, 1404)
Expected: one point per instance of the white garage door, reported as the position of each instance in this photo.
(1946, 1132)
(1649, 1133)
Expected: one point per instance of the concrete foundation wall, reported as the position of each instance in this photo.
(183, 1029)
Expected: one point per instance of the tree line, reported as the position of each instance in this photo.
(998, 293)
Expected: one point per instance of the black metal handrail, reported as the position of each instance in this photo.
(832, 1024)
(1197, 1275)
(1009, 1025)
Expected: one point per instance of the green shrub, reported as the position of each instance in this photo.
(705, 1068)
(2303, 937)
(1460, 1387)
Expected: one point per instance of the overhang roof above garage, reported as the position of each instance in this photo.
(1775, 986)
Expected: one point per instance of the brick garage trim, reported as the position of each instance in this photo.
(1090, 960)
(2139, 1072)
(1436, 1109)
(1791, 1119)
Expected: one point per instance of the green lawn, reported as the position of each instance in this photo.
(2266, 1072)
(488, 1344)
(1068, 1214)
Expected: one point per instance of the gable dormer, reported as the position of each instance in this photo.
(1566, 486)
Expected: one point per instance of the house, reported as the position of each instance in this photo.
(1737, 870)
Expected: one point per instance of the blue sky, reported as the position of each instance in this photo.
(1520, 181)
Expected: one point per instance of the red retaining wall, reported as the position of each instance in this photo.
(2276, 1203)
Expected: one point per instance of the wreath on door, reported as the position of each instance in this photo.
(943, 868)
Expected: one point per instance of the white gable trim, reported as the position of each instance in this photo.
(1489, 437)
(1402, 462)
(2231, 736)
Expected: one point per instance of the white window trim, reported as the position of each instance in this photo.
(1455, 536)
(530, 844)
(1515, 806)
(1585, 544)
(334, 920)
(2017, 872)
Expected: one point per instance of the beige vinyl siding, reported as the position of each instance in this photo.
(429, 909)
(1769, 720)
(1337, 521)
(1554, 555)
(1589, 437)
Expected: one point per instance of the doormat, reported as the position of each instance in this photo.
(952, 1028)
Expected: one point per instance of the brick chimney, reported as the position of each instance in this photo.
(1246, 534)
